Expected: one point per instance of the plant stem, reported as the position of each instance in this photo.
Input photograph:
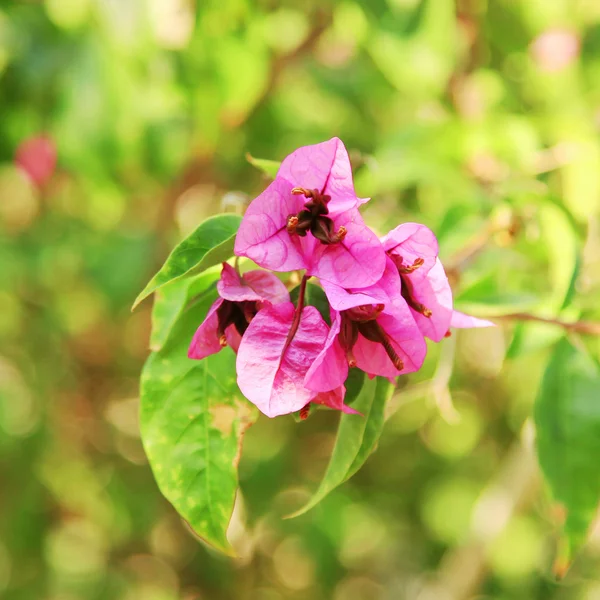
(589, 327)
(297, 313)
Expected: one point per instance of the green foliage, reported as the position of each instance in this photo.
(567, 418)
(268, 167)
(192, 419)
(210, 244)
(357, 436)
(471, 117)
(171, 299)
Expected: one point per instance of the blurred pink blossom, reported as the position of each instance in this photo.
(36, 156)
(555, 49)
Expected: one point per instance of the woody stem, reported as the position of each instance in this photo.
(297, 313)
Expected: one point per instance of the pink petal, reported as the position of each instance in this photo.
(330, 368)
(232, 287)
(269, 377)
(325, 167)
(412, 241)
(433, 292)
(252, 286)
(262, 235)
(206, 341)
(267, 285)
(335, 399)
(461, 321)
(406, 340)
(233, 338)
(385, 291)
(356, 262)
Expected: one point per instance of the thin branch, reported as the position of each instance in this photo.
(588, 327)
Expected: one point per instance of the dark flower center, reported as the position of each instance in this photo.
(314, 218)
(238, 314)
(363, 320)
(408, 289)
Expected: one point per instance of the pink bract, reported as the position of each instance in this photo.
(427, 285)
(356, 260)
(330, 367)
(271, 368)
(255, 286)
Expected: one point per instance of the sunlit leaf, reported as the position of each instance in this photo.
(192, 420)
(211, 243)
(567, 418)
(170, 300)
(268, 167)
(357, 435)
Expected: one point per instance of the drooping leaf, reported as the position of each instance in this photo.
(171, 299)
(268, 167)
(567, 419)
(357, 435)
(192, 421)
(211, 243)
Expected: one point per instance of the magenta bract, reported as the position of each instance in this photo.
(308, 219)
(372, 329)
(271, 367)
(241, 297)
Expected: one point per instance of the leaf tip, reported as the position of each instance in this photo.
(141, 296)
(561, 567)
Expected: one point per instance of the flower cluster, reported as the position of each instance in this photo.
(385, 295)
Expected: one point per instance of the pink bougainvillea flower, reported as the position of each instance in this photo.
(36, 156)
(240, 298)
(308, 218)
(372, 329)
(424, 286)
(274, 356)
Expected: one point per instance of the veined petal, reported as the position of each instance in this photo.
(254, 286)
(325, 167)
(386, 291)
(232, 287)
(206, 341)
(329, 369)
(406, 340)
(356, 262)
(433, 292)
(262, 235)
(270, 372)
(413, 241)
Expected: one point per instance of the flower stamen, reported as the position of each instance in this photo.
(291, 224)
(407, 293)
(405, 269)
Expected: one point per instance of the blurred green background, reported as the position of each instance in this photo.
(479, 118)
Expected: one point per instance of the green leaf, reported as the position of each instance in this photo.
(268, 167)
(192, 421)
(211, 243)
(357, 435)
(314, 296)
(562, 244)
(171, 299)
(567, 419)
